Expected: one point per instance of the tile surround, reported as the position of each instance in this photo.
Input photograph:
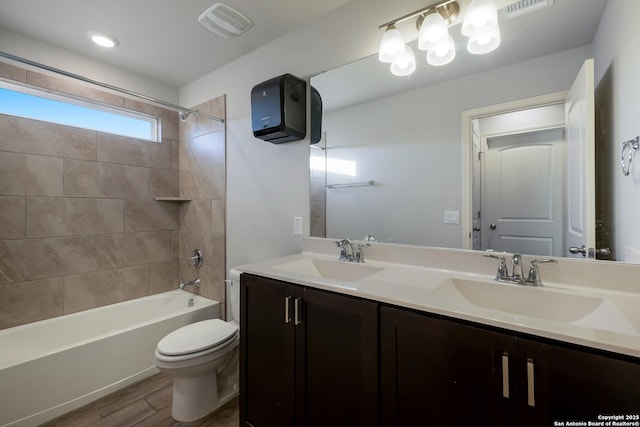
(79, 226)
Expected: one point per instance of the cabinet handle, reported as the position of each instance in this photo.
(287, 315)
(531, 400)
(505, 375)
(296, 311)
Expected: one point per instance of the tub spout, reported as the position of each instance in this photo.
(195, 282)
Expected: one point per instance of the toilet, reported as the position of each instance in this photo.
(202, 358)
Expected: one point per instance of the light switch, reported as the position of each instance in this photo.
(297, 225)
(451, 217)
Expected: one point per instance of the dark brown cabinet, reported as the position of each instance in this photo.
(439, 372)
(436, 371)
(307, 357)
(316, 358)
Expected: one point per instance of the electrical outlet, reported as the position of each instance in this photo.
(451, 217)
(297, 225)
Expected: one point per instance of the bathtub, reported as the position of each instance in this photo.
(53, 366)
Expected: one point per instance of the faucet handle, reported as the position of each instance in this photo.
(368, 239)
(534, 273)
(503, 271)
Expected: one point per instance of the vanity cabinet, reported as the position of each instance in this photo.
(307, 357)
(436, 371)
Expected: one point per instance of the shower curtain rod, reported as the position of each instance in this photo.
(108, 86)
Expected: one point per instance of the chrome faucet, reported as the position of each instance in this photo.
(347, 251)
(195, 282)
(517, 274)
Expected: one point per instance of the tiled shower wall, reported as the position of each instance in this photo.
(79, 225)
(202, 179)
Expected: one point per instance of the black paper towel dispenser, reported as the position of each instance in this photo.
(279, 109)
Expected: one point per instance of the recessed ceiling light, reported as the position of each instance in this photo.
(102, 39)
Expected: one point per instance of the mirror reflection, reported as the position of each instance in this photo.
(396, 154)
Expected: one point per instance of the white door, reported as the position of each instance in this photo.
(580, 125)
(523, 192)
(475, 188)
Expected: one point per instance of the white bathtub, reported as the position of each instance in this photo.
(53, 366)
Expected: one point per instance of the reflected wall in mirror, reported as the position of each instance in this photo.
(406, 133)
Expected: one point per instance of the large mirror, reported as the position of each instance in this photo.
(392, 160)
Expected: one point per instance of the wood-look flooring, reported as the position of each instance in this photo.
(144, 404)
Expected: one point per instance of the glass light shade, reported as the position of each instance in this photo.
(404, 64)
(434, 29)
(480, 15)
(443, 53)
(392, 44)
(484, 42)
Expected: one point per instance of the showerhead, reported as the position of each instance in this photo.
(183, 116)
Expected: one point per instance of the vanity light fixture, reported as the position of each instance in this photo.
(102, 39)
(480, 24)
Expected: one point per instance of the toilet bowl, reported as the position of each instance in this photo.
(202, 358)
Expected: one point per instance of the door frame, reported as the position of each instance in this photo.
(467, 148)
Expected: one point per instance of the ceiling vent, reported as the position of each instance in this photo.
(525, 6)
(224, 21)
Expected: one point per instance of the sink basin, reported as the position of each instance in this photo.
(519, 300)
(328, 269)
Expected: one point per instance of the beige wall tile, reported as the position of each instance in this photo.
(51, 216)
(132, 151)
(175, 155)
(85, 291)
(202, 151)
(163, 183)
(317, 189)
(196, 215)
(12, 217)
(218, 106)
(12, 72)
(205, 183)
(218, 216)
(196, 125)
(211, 244)
(73, 87)
(163, 276)
(26, 174)
(95, 179)
(27, 302)
(25, 260)
(149, 215)
(318, 220)
(134, 249)
(36, 137)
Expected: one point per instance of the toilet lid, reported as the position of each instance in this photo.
(196, 337)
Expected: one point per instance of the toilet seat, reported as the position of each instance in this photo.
(197, 339)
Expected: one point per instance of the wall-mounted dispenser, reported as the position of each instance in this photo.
(279, 109)
(316, 116)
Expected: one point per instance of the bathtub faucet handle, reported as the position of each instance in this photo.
(196, 259)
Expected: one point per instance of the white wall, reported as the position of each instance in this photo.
(268, 184)
(54, 56)
(411, 146)
(617, 71)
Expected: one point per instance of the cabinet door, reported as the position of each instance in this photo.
(337, 356)
(567, 384)
(438, 372)
(266, 353)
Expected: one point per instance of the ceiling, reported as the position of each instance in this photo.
(161, 39)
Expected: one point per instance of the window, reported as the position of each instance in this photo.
(39, 105)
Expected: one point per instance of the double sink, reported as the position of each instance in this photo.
(472, 293)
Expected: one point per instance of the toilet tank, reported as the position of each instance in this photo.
(233, 295)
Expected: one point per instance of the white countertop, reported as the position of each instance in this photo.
(606, 318)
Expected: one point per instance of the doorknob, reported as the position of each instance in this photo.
(576, 250)
(603, 251)
(493, 226)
